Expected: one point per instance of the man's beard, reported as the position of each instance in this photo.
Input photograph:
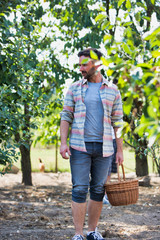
(90, 73)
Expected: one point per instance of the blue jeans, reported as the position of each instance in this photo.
(113, 167)
(89, 169)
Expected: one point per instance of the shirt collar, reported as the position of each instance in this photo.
(104, 81)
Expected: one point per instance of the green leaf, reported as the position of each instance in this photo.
(119, 66)
(105, 24)
(127, 48)
(118, 19)
(153, 2)
(105, 61)
(85, 60)
(93, 55)
(107, 37)
(120, 2)
(144, 65)
(153, 34)
(110, 72)
(146, 76)
(155, 54)
(100, 17)
(151, 112)
(155, 43)
(147, 18)
(102, 9)
(141, 128)
(138, 16)
(155, 102)
(128, 104)
(128, 4)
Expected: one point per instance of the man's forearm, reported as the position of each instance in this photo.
(119, 142)
(64, 128)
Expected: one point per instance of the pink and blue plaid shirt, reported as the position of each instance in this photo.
(74, 112)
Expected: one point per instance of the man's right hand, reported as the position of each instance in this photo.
(64, 151)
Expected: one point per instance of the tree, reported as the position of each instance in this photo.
(7, 117)
(24, 75)
(76, 25)
(134, 57)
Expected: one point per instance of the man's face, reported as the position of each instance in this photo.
(87, 67)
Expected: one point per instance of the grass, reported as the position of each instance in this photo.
(48, 157)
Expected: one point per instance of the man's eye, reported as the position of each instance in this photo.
(83, 65)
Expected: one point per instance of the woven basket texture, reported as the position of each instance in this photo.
(123, 192)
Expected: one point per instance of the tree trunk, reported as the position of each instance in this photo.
(141, 165)
(26, 149)
(141, 159)
(26, 165)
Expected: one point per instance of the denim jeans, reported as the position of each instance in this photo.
(113, 167)
(89, 170)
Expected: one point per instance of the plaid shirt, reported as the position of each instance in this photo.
(74, 112)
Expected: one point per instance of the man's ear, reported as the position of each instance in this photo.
(98, 64)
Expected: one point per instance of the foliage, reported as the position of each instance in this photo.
(48, 128)
(7, 116)
(75, 29)
(134, 58)
(73, 17)
(8, 122)
(25, 80)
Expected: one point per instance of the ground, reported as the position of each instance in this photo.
(43, 211)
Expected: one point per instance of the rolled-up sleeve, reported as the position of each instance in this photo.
(68, 107)
(117, 111)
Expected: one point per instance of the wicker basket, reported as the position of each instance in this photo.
(123, 192)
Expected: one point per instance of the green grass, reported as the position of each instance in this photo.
(130, 163)
(48, 157)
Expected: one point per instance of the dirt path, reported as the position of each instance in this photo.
(43, 210)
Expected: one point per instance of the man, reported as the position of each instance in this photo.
(92, 105)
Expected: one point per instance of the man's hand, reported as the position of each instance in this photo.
(64, 151)
(119, 157)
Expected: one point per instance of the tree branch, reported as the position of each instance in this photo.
(129, 144)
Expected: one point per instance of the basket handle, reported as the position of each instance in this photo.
(119, 178)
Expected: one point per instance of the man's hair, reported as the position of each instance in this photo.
(86, 53)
